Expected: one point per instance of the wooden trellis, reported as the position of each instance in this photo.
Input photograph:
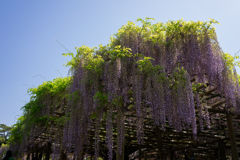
(165, 143)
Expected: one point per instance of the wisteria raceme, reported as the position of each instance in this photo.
(156, 102)
(139, 87)
(207, 118)
(70, 134)
(191, 105)
(118, 65)
(209, 57)
(116, 75)
(138, 96)
(192, 54)
(180, 106)
(162, 104)
(173, 110)
(168, 102)
(199, 107)
(109, 134)
(65, 134)
(168, 57)
(124, 85)
(197, 67)
(111, 90)
(97, 130)
(177, 110)
(121, 129)
(237, 91)
(77, 134)
(183, 102)
(229, 90)
(148, 96)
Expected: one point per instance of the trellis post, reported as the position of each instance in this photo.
(160, 144)
(145, 156)
(221, 147)
(139, 151)
(63, 155)
(40, 156)
(172, 155)
(32, 155)
(216, 153)
(36, 155)
(48, 151)
(232, 137)
(28, 156)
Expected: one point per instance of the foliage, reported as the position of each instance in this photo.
(230, 60)
(159, 31)
(54, 87)
(232, 63)
(40, 112)
(3, 150)
(16, 136)
(4, 133)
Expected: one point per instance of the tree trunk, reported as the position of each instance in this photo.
(232, 137)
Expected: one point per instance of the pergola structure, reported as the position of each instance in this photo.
(145, 78)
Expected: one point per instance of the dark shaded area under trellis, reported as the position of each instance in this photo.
(214, 142)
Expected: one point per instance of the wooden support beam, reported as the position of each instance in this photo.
(218, 103)
(40, 156)
(28, 156)
(221, 147)
(32, 155)
(216, 153)
(36, 155)
(139, 152)
(216, 110)
(63, 155)
(160, 144)
(145, 156)
(210, 91)
(172, 155)
(232, 137)
(48, 151)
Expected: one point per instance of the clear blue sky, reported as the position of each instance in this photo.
(28, 29)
